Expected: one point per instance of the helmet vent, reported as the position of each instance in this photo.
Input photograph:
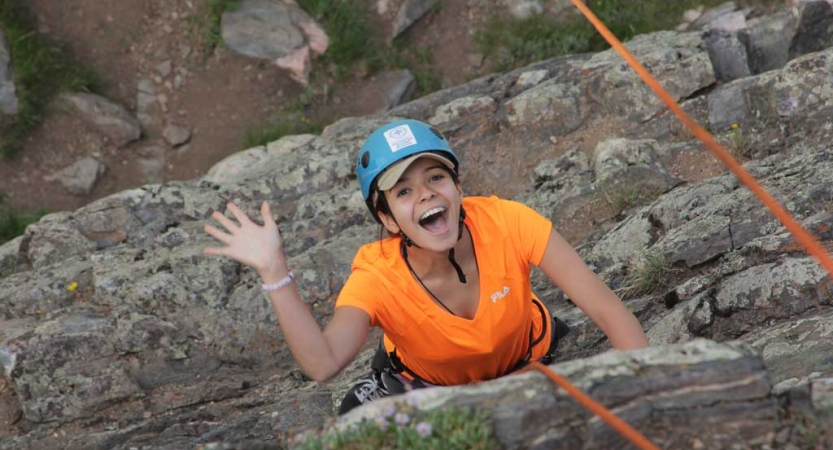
(435, 131)
(365, 159)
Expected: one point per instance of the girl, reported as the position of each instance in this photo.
(450, 287)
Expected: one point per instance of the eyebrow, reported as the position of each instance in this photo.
(427, 169)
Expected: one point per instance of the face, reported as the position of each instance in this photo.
(425, 205)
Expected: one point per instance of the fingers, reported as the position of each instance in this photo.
(242, 218)
(266, 213)
(227, 223)
(214, 251)
(225, 238)
(238, 213)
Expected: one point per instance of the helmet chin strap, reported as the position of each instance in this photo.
(451, 259)
(406, 241)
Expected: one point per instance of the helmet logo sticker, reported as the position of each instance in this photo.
(400, 137)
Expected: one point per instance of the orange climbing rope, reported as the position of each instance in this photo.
(807, 240)
(597, 408)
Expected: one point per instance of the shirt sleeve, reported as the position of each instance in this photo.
(358, 292)
(529, 229)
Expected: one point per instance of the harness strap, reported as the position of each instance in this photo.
(398, 366)
(533, 343)
(390, 361)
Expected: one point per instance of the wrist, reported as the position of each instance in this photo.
(274, 274)
(270, 287)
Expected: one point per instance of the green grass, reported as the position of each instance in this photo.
(623, 197)
(355, 47)
(738, 141)
(355, 40)
(340, 17)
(417, 60)
(257, 136)
(13, 225)
(509, 44)
(350, 33)
(216, 8)
(352, 36)
(403, 428)
(515, 43)
(205, 26)
(647, 275)
(807, 431)
(41, 69)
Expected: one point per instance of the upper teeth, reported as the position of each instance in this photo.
(431, 212)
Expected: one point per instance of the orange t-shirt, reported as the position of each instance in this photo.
(438, 346)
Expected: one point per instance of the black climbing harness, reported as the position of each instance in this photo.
(389, 363)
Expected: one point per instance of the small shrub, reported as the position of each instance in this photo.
(807, 431)
(623, 198)
(355, 40)
(350, 32)
(436, 6)
(216, 9)
(648, 274)
(255, 137)
(206, 27)
(427, 80)
(738, 140)
(516, 43)
(41, 69)
(310, 95)
(402, 427)
(417, 60)
(13, 225)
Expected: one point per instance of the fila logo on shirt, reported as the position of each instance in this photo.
(500, 294)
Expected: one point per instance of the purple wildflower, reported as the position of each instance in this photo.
(388, 411)
(424, 429)
(402, 418)
(382, 423)
(412, 400)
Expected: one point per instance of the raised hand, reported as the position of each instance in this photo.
(259, 247)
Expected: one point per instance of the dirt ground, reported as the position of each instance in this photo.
(218, 96)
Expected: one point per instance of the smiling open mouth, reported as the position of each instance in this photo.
(435, 220)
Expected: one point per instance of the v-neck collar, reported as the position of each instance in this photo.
(429, 296)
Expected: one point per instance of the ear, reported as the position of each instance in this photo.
(389, 223)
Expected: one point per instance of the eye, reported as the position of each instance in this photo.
(402, 192)
(437, 177)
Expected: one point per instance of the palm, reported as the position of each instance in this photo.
(257, 246)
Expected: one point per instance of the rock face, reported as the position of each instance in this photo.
(669, 392)
(739, 47)
(117, 332)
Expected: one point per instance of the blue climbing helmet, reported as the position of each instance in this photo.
(394, 142)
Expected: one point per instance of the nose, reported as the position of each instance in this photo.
(426, 193)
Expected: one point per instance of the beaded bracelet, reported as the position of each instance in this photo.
(280, 284)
